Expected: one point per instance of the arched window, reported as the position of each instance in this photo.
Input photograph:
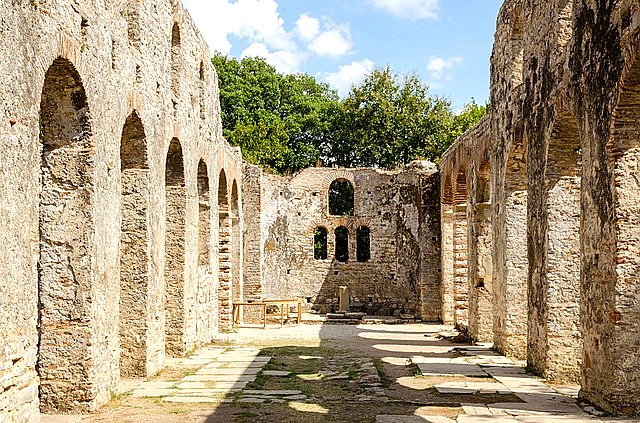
(341, 198)
(363, 243)
(320, 243)
(342, 244)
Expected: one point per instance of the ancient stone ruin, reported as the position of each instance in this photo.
(129, 226)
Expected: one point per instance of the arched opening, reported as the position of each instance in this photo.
(204, 213)
(554, 341)
(134, 249)
(236, 244)
(342, 244)
(224, 254)
(176, 66)
(320, 243)
(341, 198)
(363, 244)
(176, 202)
(510, 264)
(206, 296)
(610, 238)
(480, 258)
(460, 251)
(65, 271)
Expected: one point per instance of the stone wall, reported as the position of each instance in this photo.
(399, 208)
(564, 195)
(467, 234)
(85, 216)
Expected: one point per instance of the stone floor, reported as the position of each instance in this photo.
(469, 382)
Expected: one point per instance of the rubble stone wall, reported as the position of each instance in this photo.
(399, 208)
(564, 198)
(77, 71)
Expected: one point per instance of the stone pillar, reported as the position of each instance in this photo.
(480, 275)
(345, 299)
(460, 267)
(447, 258)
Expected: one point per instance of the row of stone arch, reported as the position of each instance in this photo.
(511, 247)
(152, 319)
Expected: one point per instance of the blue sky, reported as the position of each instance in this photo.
(446, 42)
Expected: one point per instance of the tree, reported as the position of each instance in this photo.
(289, 122)
(278, 120)
(389, 120)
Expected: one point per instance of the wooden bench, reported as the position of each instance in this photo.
(284, 305)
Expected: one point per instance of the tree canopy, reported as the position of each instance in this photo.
(289, 122)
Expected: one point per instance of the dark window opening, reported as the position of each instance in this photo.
(363, 238)
(320, 244)
(342, 244)
(341, 198)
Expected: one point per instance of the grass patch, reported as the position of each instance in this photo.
(413, 369)
(385, 380)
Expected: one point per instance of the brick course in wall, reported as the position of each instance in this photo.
(85, 237)
(562, 137)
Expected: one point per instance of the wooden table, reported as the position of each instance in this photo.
(284, 305)
(236, 311)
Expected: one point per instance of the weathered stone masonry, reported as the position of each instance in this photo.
(129, 226)
(562, 137)
(93, 94)
(401, 211)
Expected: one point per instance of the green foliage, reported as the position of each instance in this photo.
(391, 120)
(341, 198)
(276, 119)
(289, 122)
(320, 244)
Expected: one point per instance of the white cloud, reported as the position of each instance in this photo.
(348, 75)
(333, 43)
(308, 27)
(284, 61)
(438, 65)
(258, 24)
(257, 21)
(410, 9)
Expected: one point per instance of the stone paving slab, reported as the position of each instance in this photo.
(544, 408)
(206, 392)
(272, 392)
(396, 418)
(451, 369)
(219, 378)
(229, 371)
(472, 388)
(155, 385)
(235, 364)
(558, 419)
(192, 399)
(488, 419)
(153, 392)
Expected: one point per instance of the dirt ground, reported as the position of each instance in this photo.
(336, 373)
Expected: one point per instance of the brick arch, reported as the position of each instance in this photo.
(447, 189)
(340, 174)
(610, 242)
(461, 192)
